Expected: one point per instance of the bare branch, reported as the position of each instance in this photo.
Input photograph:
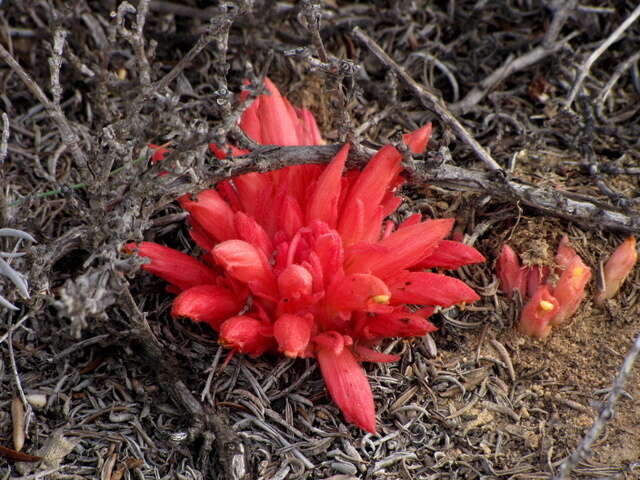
(610, 40)
(430, 100)
(576, 208)
(4, 138)
(67, 133)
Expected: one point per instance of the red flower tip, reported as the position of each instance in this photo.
(159, 152)
(570, 290)
(618, 268)
(177, 268)
(536, 315)
(212, 213)
(511, 274)
(565, 254)
(425, 288)
(207, 303)
(418, 139)
(396, 324)
(293, 333)
(247, 335)
(348, 385)
(451, 255)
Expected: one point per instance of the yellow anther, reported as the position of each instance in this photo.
(578, 271)
(381, 298)
(546, 306)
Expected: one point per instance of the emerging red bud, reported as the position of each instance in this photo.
(510, 272)
(618, 268)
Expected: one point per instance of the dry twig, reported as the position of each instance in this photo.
(586, 66)
(430, 100)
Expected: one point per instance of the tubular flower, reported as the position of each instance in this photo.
(302, 261)
(618, 268)
(536, 316)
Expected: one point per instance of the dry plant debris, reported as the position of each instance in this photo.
(535, 108)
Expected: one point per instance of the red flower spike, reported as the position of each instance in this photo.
(348, 385)
(293, 333)
(175, 267)
(424, 288)
(247, 335)
(207, 303)
(570, 290)
(245, 262)
(310, 250)
(451, 255)
(510, 272)
(536, 315)
(618, 268)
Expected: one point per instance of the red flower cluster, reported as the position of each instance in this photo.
(302, 261)
(548, 306)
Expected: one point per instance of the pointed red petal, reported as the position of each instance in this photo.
(310, 134)
(247, 335)
(323, 203)
(330, 253)
(397, 324)
(252, 232)
(290, 218)
(212, 213)
(246, 263)
(278, 120)
(364, 354)
(253, 189)
(250, 122)
(369, 189)
(570, 290)
(418, 139)
(349, 388)
(207, 303)
(175, 267)
(618, 268)
(451, 255)
(536, 277)
(200, 235)
(404, 248)
(565, 254)
(510, 272)
(424, 288)
(536, 315)
(293, 333)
